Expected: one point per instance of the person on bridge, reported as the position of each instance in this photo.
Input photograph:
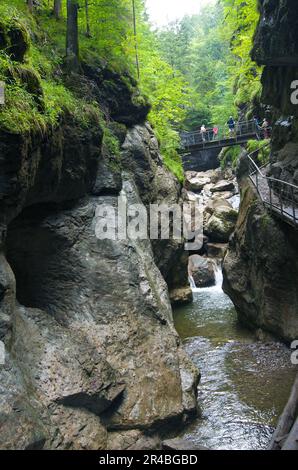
(215, 132)
(265, 127)
(231, 125)
(203, 132)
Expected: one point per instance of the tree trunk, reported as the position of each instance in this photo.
(135, 37)
(57, 9)
(72, 36)
(30, 5)
(285, 426)
(88, 32)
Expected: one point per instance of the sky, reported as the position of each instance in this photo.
(162, 12)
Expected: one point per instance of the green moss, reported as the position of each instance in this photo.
(35, 98)
(261, 157)
(174, 164)
(229, 156)
(14, 36)
(265, 220)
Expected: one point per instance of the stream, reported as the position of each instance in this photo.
(245, 383)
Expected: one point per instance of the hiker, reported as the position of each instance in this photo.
(215, 132)
(265, 127)
(257, 122)
(231, 125)
(203, 132)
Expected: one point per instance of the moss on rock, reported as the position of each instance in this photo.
(14, 38)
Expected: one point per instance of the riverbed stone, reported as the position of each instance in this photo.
(223, 185)
(202, 270)
(221, 224)
(181, 444)
(181, 296)
(197, 183)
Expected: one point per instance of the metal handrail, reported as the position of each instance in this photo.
(243, 129)
(275, 193)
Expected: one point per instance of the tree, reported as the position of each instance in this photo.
(57, 9)
(88, 31)
(30, 5)
(72, 36)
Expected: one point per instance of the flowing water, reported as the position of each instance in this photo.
(245, 383)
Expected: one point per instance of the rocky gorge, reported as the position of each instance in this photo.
(76, 350)
(106, 339)
(260, 269)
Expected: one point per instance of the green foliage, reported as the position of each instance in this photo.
(229, 156)
(35, 98)
(197, 48)
(239, 26)
(212, 51)
(195, 71)
(263, 148)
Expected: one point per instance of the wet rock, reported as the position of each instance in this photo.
(132, 332)
(181, 296)
(197, 182)
(202, 271)
(217, 250)
(146, 443)
(181, 444)
(221, 224)
(223, 186)
(276, 39)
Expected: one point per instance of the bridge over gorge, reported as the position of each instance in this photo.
(280, 197)
(244, 131)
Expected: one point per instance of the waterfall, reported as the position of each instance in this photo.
(192, 282)
(218, 277)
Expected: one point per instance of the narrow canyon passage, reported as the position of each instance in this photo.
(245, 383)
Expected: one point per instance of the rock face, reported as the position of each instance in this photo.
(201, 160)
(260, 269)
(156, 185)
(92, 356)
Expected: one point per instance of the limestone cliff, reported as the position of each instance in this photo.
(92, 357)
(260, 269)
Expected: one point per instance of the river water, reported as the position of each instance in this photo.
(245, 383)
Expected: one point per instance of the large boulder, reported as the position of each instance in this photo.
(223, 185)
(221, 221)
(201, 270)
(181, 296)
(83, 351)
(196, 181)
(156, 185)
